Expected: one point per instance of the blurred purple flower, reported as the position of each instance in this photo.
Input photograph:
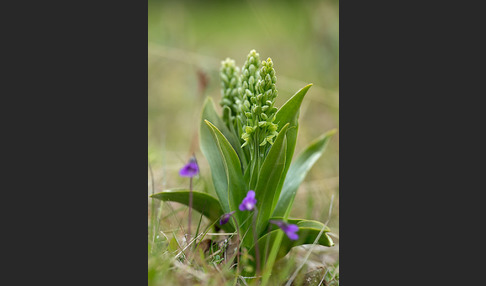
(225, 218)
(289, 229)
(190, 169)
(249, 202)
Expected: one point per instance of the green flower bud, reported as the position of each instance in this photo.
(251, 81)
(256, 109)
(272, 128)
(250, 70)
(246, 73)
(247, 104)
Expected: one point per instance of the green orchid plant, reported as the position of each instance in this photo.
(249, 149)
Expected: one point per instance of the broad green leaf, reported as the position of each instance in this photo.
(308, 232)
(209, 113)
(210, 149)
(237, 187)
(205, 204)
(268, 179)
(247, 174)
(289, 113)
(290, 110)
(226, 116)
(297, 172)
(253, 174)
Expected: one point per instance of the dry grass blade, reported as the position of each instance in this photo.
(203, 277)
(323, 277)
(189, 244)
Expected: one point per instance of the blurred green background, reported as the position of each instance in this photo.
(187, 40)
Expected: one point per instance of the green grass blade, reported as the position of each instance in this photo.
(205, 204)
(298, 170)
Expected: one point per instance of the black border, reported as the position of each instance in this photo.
(75, 141)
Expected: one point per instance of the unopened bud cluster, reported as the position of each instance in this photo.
(254, 101)
(249, 76)
(230, 77)
(262, 103)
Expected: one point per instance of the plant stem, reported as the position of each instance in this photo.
(197, 229)
(190, 211)
(257, 250)
(267, 244)
(237, 247)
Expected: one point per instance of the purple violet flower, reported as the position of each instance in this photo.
(289, 229)
(249, 202)
(190, 169)
(225, 218)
